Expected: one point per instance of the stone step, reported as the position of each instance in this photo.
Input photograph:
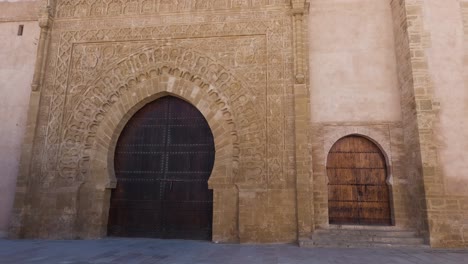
(366, 233)
(347, 244)
(356, 238)
(386, 240)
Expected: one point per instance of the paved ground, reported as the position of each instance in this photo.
(147, 251)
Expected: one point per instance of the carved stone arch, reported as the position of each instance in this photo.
(225, 135)
(101, 175)
(378, 139)
(103, 109)
(232, 100)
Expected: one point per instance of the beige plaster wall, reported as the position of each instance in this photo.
(16, 71)
(352, 61)
(443, 21)
(18, 10)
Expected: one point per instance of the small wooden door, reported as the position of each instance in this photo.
(163, 160)
(358, 193)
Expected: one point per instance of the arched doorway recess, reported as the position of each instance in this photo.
(163, 160)
(358, 193)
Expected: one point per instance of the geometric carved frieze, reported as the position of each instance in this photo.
(251, 80)
(103, 8)
(102, 93)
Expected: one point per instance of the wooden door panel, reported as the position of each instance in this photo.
(370, 176)
(134, 219)
(341, 160)
(372, 193)
(181, 202)
(131, 190)
(342, 193)
(163, 160)
(190, 161)
(374, 213)
(360, 144)
(366, 160)
(152, 162)
(343, 212)
(357, 190)
(341, 176)
(188, 134)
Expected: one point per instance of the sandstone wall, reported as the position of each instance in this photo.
(352, 62)
(17, 57)
(394, 71)
(447, 30)
(424, 119)
(234, 60)
(446, 54)
(430, 53)
(354, 89)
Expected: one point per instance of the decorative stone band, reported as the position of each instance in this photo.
(101, 8)
(45, 20)
(299, 7)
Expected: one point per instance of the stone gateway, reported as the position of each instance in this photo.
(163, 160)
(247, 121)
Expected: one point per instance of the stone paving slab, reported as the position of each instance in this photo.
(155, 251)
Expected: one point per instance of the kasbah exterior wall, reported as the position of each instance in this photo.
(279, 82)
(17, 57)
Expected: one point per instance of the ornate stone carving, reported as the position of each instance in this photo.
(106, 90)
(68, 89)
(90, 8)
(45, 19)
(299, 8)
(237, 66)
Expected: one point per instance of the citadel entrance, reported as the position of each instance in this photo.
(163, 160)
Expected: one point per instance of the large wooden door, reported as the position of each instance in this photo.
(358, 193)
(163, 160)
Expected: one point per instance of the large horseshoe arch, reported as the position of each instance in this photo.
(163, 160)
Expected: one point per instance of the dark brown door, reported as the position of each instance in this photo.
(163, 160)
(358, 193)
